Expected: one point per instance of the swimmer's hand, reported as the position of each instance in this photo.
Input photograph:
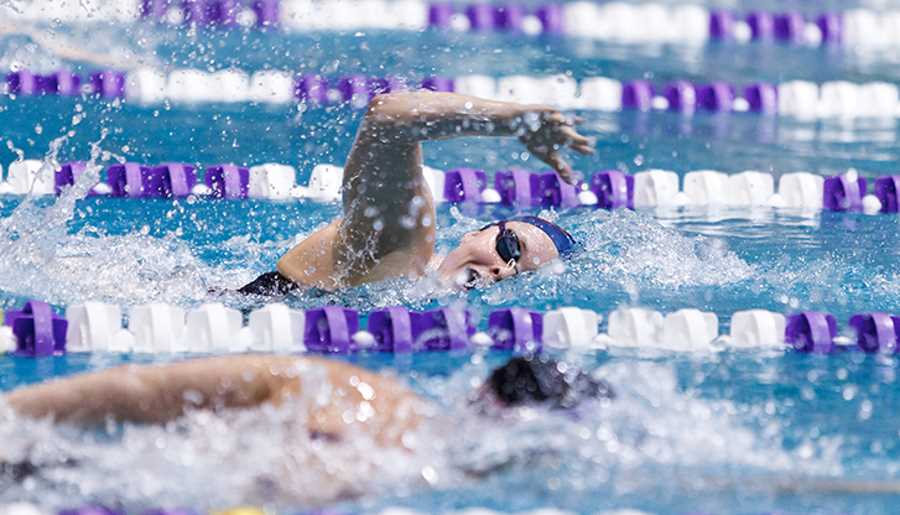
(546, 132)
(395, 118)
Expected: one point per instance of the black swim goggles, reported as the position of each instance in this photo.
(507, 245)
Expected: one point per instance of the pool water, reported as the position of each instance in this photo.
(727, 432)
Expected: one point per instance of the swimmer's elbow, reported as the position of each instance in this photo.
(392, 110)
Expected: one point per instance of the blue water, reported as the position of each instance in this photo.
(707, 432)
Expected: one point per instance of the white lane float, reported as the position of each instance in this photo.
(601, 93)
(799, 99)
(570, 327)
(272, 87)
(146, 86)
(690, 330)
(749, 189)
(655, 188)
(157, 327)
(31, 176)
(271, 181)
(95, 326)
(276, 327)
(801, 190)
(706, 187)
(635, 327)
(476, 86)
(215, 328)
(757, 328)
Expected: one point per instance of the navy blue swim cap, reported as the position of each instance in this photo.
(562, 240)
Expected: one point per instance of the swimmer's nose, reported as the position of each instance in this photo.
(500, 273)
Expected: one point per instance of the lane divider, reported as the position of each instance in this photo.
(613, 21)
(214, 328)
(801, 99)
(515, 188)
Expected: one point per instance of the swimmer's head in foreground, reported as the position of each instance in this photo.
(504, 249)
(539, 380)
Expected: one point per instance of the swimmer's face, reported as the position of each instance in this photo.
(476, 261)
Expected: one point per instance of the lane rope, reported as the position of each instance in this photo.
(614, 21)
(155, 328)
(515, 188)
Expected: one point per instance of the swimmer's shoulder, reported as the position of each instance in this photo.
(295, 370)
(384, 406)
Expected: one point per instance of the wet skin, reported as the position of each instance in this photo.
(388, 224)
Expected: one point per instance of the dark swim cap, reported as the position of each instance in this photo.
(539, 380)
(562, 240)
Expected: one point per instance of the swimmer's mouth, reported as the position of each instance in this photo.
(472, 279)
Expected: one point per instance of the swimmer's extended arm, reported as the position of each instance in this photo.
(388, 207)
(155, 394)
(69, 48)
(160, 393)
(425, 115)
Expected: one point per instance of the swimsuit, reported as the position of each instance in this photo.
(271, 284)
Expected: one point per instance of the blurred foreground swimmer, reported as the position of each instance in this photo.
(387, 228)
(158, 394)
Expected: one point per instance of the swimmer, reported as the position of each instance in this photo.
(387, 228)
(158, 394)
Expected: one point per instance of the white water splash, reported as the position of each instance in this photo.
(624, 251)
(42, 260)
(625, 246)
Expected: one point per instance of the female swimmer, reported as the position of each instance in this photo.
(388, 224)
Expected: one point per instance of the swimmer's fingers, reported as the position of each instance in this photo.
(560, 165)
(569, 137)
(551, 155)
(583, 149)
(577, 142)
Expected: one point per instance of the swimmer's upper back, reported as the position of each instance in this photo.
(316, 263)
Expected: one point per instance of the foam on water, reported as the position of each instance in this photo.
(626, 251)
(634, 247)
(42, 260)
